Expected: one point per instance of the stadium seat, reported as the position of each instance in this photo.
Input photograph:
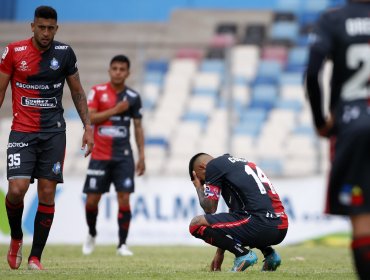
(269, 69)
(293, 6)
(222, 41)
(212, 66)
(275, 53)
(288, 104)
(291, 78)
(264, 96)
(255, 34)
(189, 53)
(284, 30)
(253, 115)
(227, 28)
(156, 66)
(297, 59)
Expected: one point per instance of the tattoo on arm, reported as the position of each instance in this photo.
(209, 206)
(79, 98)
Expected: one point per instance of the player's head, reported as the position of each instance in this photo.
(198, 163)
(44, 27)
(119, 69)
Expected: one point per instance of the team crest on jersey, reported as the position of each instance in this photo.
(54, 64)
(104, 97)
(57, 168)
(23, 66)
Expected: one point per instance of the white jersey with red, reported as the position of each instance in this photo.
(112, 137)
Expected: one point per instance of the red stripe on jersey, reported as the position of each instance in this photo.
(231, 224)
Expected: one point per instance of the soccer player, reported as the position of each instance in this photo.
(37, 69)
(112, 105)
(256, 217)
(343, 36)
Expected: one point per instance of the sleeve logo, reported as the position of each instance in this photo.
(5, 53)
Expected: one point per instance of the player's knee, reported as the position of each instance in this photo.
(196, 226)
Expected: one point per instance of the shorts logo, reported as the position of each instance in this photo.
(92, 183)
(54, 64)
(127, 183)
(351, 195)
(17, 145)
(57, 168)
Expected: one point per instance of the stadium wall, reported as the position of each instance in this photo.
(162, 209)
(130, 10)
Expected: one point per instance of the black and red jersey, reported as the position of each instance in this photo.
(112, 137)
(245, 189)
(37, 81)
(343, 36)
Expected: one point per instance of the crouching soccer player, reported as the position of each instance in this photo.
(256, 218)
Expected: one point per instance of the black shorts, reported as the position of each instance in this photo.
(101, 173)
(247, 230)
(349, 179)
(36, 155)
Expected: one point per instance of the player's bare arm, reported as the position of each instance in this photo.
(102, 116)
(217, 260)
(209, 206)
(139, 137)
(4, 81)
(79, 99)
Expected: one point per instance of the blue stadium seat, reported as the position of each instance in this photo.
(253, 115)
(205, 91)
(271, 166)
(199, 117)
(248, 128)
(156, 141)
(294, 6)
(284, 30)
(213, 66)
(297, 59)
(304, 129)
(315, 6)
(156, 66)
(264, 96)
(154, 77)
(291, 78)
(289, 104)
(268, 71)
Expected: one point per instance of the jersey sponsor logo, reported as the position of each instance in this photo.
(17, 145)
(95, 172)
(54, 64)
(46, 103)
(5, 53)
(358, 26)
(101, 87)
(35, 87)
(113, 131)
(20, 49)
(61, 47)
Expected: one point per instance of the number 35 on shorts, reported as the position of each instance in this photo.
(14, 160)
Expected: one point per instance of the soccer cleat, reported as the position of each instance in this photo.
(15, 253)
(271, 262)
(243, 262)
(34, 264)
(124, 251)
(89, 245)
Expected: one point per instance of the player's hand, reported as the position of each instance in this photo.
(140, 167)
(326, 129)
(217, 260)
(196, 181)
(88, 140)
(122, 106)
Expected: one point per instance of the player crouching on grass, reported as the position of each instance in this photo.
(256, 218)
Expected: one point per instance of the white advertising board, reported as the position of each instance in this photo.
(162, 209)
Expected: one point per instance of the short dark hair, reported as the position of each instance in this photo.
(46, 12)
(120, 58)
(191, 164)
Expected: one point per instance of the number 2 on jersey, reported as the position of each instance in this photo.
(260, 178)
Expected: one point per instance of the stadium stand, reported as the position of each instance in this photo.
(234, 85)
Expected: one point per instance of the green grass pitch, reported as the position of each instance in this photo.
(309, 261)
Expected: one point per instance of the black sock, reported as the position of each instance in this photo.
(91, 217)
(218, 239)
(266, 251)
(43, 221)
(14, 213)
(361, 254)
(124, 219)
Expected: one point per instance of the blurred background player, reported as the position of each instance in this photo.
(112, 106)
(343, 35)
(256, 218)
(37, 68)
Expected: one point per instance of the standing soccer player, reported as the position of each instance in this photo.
(37, 69)
(343, 35)
(111, 107)
(256, 217)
